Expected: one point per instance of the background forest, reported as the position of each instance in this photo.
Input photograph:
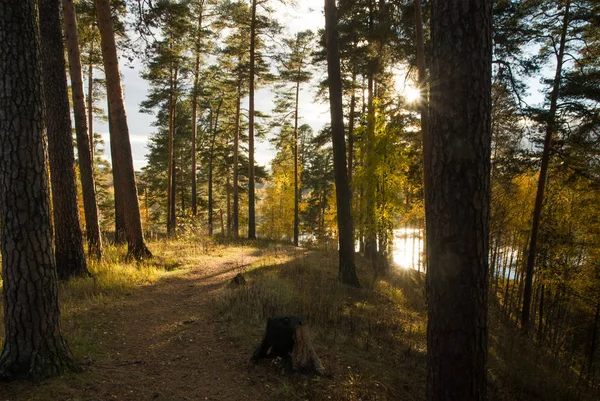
(208, 63)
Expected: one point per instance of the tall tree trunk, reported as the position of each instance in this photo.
(173, 178)
(122, 160)
(593, 341)
(33, 346)
(91, 108)
(296, 186)
(251, 211)
(210, 175)
(351, 119)
(86, 167)
(423, 102)
(539, 197)
(458, 199)
(195, 116)
(236, 149)
(120, 234)
(171, 214)
(369, 218)
(182, 210)
(370, 223)
(347, 268)
(68, 240)
(210, 165)
(540, 333)
(228, 188)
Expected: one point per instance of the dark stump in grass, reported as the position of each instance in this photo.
(287, 338)
(238, 281)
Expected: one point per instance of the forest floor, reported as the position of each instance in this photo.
(167, 339)
(173, 329)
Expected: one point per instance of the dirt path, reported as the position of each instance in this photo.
(161, 343)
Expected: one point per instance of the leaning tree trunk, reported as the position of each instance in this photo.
(539, 198)
(251, 206)
(33, 347)
(119, 135)
(68, 241)
(86, 173)
(347, 269)
(458, 198)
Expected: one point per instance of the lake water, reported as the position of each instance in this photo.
(408, 248)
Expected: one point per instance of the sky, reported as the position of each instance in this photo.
(306, 15)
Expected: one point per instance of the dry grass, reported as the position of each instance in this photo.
(116, 277)
(372, 341)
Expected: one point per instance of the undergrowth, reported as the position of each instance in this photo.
(373, 340)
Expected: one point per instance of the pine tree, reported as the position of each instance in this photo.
(34, 347)
(84, 147)
(347, 268)
(68, 240)
(294, 70)
(125, 189)
(457, 204)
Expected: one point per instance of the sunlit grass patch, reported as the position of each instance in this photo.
(366, 328)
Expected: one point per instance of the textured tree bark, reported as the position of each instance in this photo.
(195, 114)
(210, 166)
(90, 110)
(34, 347)
(251, 208)
(423, 100)
(458, 198)
(68, 240)
(228, 190)
(86, 168)
(593, 341)
(540, 332)
(369, 192)
(539, 198)
(119, 136)
(296, 186)
(351, 128)
(347, 269)
(210, 174)
(120, 235)
(236, 149)
(171, 215)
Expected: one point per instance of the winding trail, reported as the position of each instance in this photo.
(160, 343)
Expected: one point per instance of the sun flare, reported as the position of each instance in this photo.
(411, 94)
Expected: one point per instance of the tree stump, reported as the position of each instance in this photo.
(287, 338)
(237, 281)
